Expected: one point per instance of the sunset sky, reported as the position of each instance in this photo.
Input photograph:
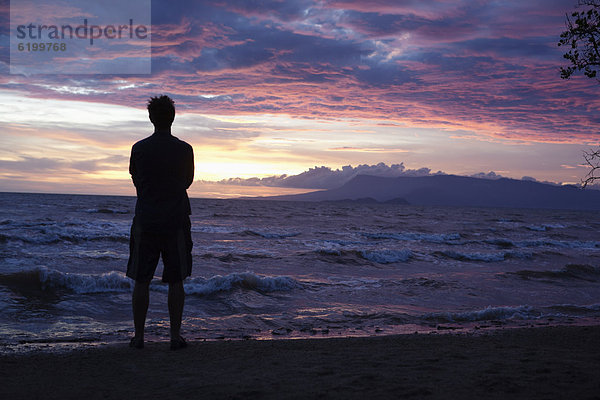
(266, 88)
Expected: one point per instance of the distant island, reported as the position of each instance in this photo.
(453, 190)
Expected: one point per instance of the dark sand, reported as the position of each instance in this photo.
(532, 363)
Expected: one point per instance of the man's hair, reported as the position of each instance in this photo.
(161, 110)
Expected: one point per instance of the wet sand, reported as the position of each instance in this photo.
(530, 363)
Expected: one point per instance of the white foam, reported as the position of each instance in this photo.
(386, 256)
(416, 236)
(523, 312)
(245, 280)
(117, 281)
(544, 227)
(241, 230)
(83, 283)
(488, 313)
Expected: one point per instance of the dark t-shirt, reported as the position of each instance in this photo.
(162, 168)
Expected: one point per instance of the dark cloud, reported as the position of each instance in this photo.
(537, 48)
(4, 35)
(235, 57)
(281, 10)
(485, 66)
(376, 25)
(4, 17)
(385, 75)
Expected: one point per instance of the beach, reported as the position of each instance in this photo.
(527, 363)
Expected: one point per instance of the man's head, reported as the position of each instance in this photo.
(161, 110)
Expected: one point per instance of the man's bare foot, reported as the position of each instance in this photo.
(177, 344)
(136, 343)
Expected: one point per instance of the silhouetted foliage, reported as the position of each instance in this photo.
(583, 36)
(592, 159)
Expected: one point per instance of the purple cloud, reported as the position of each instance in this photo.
(490, 68)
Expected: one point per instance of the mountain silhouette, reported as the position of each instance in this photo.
(452, 190)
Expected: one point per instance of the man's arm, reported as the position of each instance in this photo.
(132, 168)
(189, 177)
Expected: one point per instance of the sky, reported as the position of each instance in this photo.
(271, 88)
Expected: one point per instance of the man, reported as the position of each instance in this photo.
(162, 168)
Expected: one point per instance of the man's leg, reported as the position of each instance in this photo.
(178, 262)
(176, 301)
(140, 299)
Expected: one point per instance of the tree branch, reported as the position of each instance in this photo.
(592, 159)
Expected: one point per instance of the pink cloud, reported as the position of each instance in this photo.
(481, 68)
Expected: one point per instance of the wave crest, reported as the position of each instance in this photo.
(243, 280)
(488, 313)
(448, 238)
(47, 279)
(570, 271)
(386, 256)
(483, 257)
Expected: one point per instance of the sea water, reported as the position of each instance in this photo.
(275, 269)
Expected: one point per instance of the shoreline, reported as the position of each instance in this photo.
(539, 362)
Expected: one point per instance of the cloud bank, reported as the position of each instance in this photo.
(328, 178)
(486, 67)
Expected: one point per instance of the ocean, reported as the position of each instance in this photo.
(275, 269)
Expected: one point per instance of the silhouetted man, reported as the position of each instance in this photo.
(162, 168)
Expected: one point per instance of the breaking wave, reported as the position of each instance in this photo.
(54, 238)
(542, 242)
(47, 279)
(570, 271)
(544, 227)
(449, 238)
(483, 257)
(243, 280)
(242, 231)
(524, 312)
(488, 313)
(384, 256)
